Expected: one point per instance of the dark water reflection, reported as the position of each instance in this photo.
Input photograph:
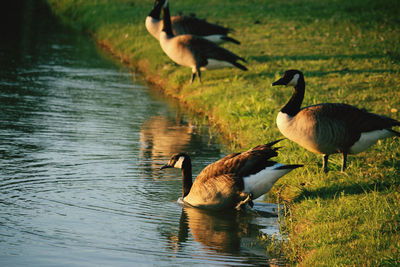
(80, 148)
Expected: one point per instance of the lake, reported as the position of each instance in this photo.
(81, 143)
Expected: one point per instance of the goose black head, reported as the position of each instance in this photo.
(289, 78)
(156, 11)
(178, 161)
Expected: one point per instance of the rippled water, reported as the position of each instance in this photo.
(80, 148)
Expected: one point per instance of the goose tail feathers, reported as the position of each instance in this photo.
(394, 132)
(289, 167)
(275, 142)
(240, 66)
(229, 39)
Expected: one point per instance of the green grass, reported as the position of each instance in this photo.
(349, 52)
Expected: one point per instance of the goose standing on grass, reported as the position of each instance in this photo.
(329, 128)
(232, 181)
(187, 25)
(193, 51)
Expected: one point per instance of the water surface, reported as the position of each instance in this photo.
(81, 143)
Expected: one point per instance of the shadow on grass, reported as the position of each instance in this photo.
(333, 191)
(307, 74)
(355, 188)
(265, 58)
(345, 71)
(317, 57)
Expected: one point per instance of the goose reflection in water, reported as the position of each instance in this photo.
(161, 136)
(228, 232)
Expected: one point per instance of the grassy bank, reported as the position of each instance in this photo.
(349, 52)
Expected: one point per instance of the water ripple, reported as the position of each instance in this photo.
(81, 145)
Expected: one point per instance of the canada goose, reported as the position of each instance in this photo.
(193, 51)
(330, 127)
(187, 25)
(232, 181)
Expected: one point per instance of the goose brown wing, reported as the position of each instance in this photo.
(204, 49)
(193, 25)
(346, 122)
(217, 168)
(240, 165)
(256, 159)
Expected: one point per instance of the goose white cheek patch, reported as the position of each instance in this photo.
(179, 163)
(294, 81)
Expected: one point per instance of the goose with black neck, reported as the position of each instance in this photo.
(329, 128)
(187, 25)
(232, 181)
(194, 51)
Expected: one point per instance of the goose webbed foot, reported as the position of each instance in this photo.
(248, 200)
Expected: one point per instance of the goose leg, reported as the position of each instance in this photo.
(344, 161)
(248, 199)
(325, 163)
(193, 77)
(199, 75)
(194, 73)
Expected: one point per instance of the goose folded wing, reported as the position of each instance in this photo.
(216, 169)
(240, 165)
(347, 122)
(256, 159)
(193, 25)
(206, 49)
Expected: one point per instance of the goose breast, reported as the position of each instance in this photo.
(313, 130)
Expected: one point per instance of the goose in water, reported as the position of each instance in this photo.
(329, 128)
(193, 51)
(232, 181)
(187, 25)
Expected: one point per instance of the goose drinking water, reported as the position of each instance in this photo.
(232, 181)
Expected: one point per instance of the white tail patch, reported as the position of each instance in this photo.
(179, 162)
(215, 38)
(260, 183)
(216, 64)
(368, 139)
(294, 80)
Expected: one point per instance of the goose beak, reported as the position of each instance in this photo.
(281, 81)
(165, 167)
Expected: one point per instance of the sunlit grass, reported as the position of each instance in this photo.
(349, 52)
